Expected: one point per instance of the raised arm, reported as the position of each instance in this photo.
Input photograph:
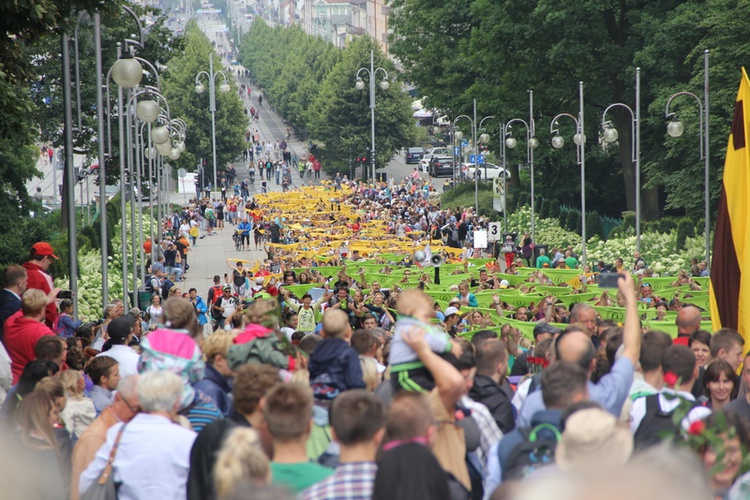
(449, 382)
(632, 330)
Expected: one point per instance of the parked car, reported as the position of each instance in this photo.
(424, 163)
(413, 155)
(486, 171)
(441, 165)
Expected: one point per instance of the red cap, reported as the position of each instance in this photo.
(43, 248)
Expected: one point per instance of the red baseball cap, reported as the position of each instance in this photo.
(43, 248)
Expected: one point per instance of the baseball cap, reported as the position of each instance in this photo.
(43, 248)
(504, 284)
(119, 328)
(544, 327)
(449, 311)
(455, 300)
(227, 288)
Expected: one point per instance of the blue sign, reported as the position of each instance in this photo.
(464, 143)
(472, 158)
(457, 151)
(480, 160)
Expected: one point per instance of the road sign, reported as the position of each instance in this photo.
(464, 143)
(457, 151)
(495, 232)
(480, 160)
(472, 158)
(181, 173)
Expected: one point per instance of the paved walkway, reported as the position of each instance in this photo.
(209, 257)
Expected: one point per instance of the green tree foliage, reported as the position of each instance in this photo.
(184, 102)
(495, 50)
(160, 44)
(311, 84)
(342, 113)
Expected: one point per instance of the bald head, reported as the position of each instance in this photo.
(575, 347)
(688, 320)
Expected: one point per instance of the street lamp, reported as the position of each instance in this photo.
(360, 85)
(507, 140)
(580, 140)
(223, 88)
(484, 138)
(611, 135)
(675, 128)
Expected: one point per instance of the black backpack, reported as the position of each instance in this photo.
(536, 450)
(657, 425)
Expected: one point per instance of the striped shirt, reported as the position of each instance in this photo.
(351, 481)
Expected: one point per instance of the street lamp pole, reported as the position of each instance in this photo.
(611, 135)
(531, 142)
(675, 128)
(360, 85)
(458, 135)
(580, 140)
(223, 88)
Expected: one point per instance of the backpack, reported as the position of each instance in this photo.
(657, 425)
(535, 451)
(147, 285)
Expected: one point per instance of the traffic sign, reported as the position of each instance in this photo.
(480, 160)
(181, 173)
(472, 158)
(464, 143)
(495, 232)
(457, 151)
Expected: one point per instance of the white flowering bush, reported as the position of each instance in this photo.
(90, 271)
(657, 249)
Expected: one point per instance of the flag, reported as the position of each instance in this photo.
(729, 289)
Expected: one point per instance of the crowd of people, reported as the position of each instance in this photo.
(375, 353)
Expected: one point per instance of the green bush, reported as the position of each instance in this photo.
(685, 230)
(541, 209)
(570, 220)
(666, 224)
(616, 232)
(628, 219)
(594, 226)
(553, 208)
(562, 217)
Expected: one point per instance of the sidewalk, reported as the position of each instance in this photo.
(209, 257)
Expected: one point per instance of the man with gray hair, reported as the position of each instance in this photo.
(124, 408)
(153, 455)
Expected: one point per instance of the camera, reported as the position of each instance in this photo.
(65, 294)
(608, 280)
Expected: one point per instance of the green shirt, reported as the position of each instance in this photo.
(299, 476)
(571, 262)
(541, 260)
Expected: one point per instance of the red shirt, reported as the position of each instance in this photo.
(19, 337)
(40, 280)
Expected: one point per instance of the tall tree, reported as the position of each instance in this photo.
(179, 89)
(342, 113)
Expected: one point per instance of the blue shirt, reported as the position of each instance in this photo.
(611, 392)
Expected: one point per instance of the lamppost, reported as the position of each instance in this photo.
(611, 135)
(360, 85)
(483, 138)
(507, 140)
(675, 128)
(580, 140)
(223, 88)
